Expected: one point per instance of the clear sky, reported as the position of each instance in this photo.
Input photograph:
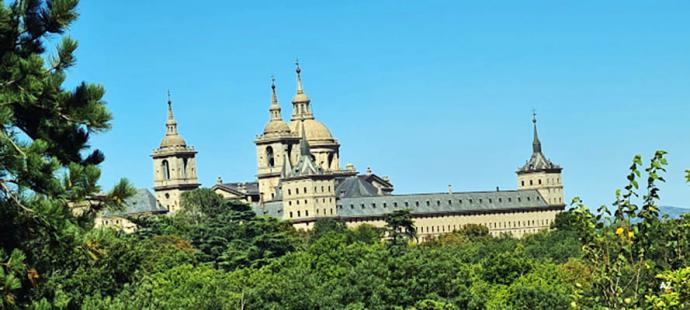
(429, 93)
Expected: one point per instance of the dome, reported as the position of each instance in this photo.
(172, 140)
(313, 129)
(276, 126)
(300, 97)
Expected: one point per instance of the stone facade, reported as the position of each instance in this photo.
(174, 166)
(305, 183)
(299, 179)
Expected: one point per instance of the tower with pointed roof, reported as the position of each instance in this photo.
(174, 166)
(274, 149)
(323, 146)
(541, 174)
(307, 191)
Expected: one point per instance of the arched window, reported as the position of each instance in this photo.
(270, 160)
(166, 169)
(184, 167)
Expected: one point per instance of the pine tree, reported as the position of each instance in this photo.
(46, 164)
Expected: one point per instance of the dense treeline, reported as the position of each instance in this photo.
(218, 254)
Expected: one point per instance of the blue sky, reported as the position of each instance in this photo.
(429, 93)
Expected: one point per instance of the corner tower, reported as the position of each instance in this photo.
(274, 149)
(541, 174)
(174, 166)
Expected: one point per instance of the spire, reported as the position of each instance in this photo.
(170, 111)
(536, 144)
(275, 107)
(170, 124)
(300, 103)
(303, 143)
(172, 137)
(299, 78)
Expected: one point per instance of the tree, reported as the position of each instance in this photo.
(400, 227)
(45, 162)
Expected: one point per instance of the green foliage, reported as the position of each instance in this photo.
(400, 227)
(182, 287)
(46, 165)
(675, 290)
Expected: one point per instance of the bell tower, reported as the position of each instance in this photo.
(174, 166)
(274, 149)
(541, 174)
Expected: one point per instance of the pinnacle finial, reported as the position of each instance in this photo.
(299, 77)
(534, 116)
(273, 82)
(170, 111)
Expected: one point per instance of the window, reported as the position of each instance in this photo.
(270, 161)
(296, 191)
(297, 201)
(184, 167)
(317, 211)
(290, 214)
(352, 206)
(407, 204)
(289, 203)
(362, 206)
(331, 211)
(166, 169)
(470, 200)
(438, 202)
(490, 201)
(460, 201)
(385, 205)
(322, 189)
(416, 203)
(500, 200)
(530, 182)
(428, 203)
(395, 204)
(450, 202)
(289, 192)
(305, 190)
(298, 215)
(373, 205)
(523, 183)
(539, 181)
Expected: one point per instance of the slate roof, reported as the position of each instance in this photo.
(355, 187)
(272, 209)
(429, 204)
(538, 162)
(442, 203)
(141, 202)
